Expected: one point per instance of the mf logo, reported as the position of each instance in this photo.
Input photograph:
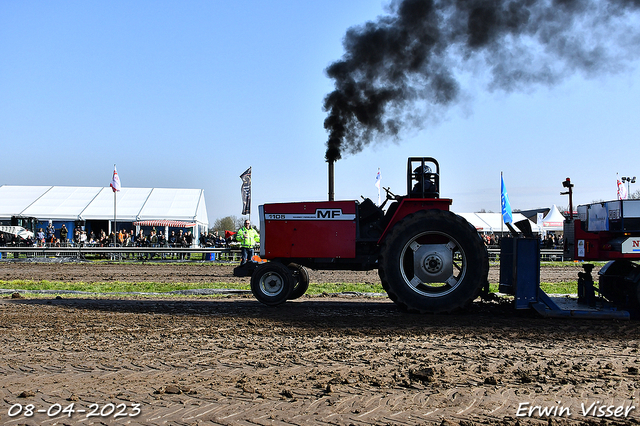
(328, 213)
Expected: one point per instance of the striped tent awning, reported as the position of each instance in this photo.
(169, 223)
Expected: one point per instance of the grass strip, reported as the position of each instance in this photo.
(569, 287)
(154, 287)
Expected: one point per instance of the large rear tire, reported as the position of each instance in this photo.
(433, 261)
(272, 283)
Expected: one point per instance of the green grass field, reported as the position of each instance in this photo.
(166, 288)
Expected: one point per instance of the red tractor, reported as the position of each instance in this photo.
(428, 258)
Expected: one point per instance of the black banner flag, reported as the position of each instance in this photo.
(246, 191)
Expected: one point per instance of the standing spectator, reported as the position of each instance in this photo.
(40, 237)
(180, 242)
(51, 232)
(248, 238)
(141, 241)
(216, 240)
(153, 241)
(64, 232)
(188, 242)
(548, 243)
(126, 241)
(76, 234)
(162, 242)
(173, 241)
(131, 242)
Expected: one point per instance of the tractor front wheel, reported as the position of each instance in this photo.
(272, 283)
(433, 261)
(300, 280)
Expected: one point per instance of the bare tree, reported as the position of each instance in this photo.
(228, 223)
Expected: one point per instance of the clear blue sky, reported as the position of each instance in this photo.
(190, 94)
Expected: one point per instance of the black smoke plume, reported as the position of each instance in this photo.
(407, 67)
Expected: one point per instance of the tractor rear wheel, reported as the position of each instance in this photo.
(272, 283)
(433, 261)
(300, 280)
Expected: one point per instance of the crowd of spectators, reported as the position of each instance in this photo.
(46, 237)
(9, 240)
(214, 239)
(491, 240)
(551, 241)
(125, 238)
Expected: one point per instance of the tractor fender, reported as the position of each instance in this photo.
(409, 206)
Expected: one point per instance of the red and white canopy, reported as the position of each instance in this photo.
(169, 223)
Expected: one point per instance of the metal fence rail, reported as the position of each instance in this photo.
(120, 252)
(224, 253)
(545, 254)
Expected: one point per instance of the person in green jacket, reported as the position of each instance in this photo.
(247, 237)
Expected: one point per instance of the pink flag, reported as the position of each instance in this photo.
(115, 181)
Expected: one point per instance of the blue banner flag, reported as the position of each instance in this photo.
(507, 215)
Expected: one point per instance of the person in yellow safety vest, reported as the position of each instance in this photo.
(247, 237)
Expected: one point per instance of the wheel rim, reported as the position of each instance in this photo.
(433, 264)
(271, 284)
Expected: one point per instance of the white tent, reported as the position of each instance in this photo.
(492, 222)
(474, 220)
(97, 203)
(60, 203)
(129, 204)
(553, 221)
(15, 199)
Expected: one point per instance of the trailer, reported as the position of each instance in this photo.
(604, 231)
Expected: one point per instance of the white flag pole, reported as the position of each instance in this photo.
(501, 214)
(378, 185)
(115, 223)
(379, 188)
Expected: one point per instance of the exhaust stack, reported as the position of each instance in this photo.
(331, 179)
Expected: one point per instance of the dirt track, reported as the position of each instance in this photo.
(321, 360)
(204, 272)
